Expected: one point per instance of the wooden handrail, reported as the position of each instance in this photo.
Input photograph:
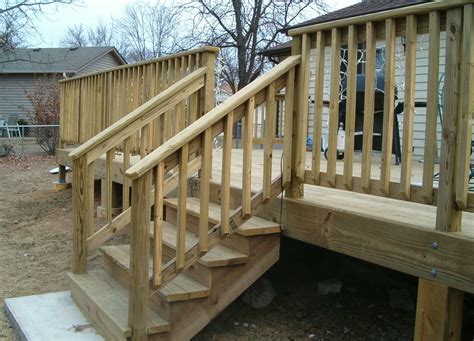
(212, 117)
(211, 49)
(125, 126)
(381, 16)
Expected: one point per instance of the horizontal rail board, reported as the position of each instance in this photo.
(386, 243)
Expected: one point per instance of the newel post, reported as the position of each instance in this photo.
(439, 307)
(207, 93)
(300, 45)
(82, 210)
(139, 257)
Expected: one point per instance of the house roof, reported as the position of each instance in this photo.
(53, 60)
(361, 8)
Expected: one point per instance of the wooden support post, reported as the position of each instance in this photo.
(158, 223)
(439, 307)
(300, 45)
(288, 127)
(225, 179)
(438, 312)
(139, 257)
(83, 215)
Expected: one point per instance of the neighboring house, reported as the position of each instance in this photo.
(20, 68)
(366, 7)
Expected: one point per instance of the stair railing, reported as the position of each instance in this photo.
(115, 143)
(176, 152)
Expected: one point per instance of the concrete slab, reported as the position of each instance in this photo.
(52, 316)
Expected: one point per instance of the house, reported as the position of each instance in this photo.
(366, 7)
(20, 68)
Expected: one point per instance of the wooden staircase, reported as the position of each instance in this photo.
(182, 307)
(195, 256)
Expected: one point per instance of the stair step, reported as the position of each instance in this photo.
(252, 227)
(219, 255)
(181, 288)
(105, 302)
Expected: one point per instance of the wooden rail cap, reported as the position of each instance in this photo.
(210, 49)
(136, 114)
(215, 115)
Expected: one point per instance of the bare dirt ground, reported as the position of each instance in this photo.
(35, 253)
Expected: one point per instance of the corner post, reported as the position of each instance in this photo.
(439, 307)
(300, 45)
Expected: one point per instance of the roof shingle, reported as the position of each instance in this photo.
(51, 60)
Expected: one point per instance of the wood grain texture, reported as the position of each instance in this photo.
(206, 165)
(288, 128)
(139, 257)
(334, 97)
(388, 106)
(247, 156)
(182, 195)
(432, 108)
(226, 166)
(409, 111)
(369, 98)
(438, 312)
(318, 104)
(270, 121)
(350, 106)
(448, 216)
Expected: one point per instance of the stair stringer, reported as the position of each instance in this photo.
(187, 318)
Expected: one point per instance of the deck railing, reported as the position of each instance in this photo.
(361, 37)
(138, 128)
(177, 151)
(93, 102)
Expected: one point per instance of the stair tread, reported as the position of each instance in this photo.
(182, 287)
(111, 298)
(252, 227)
(219, 255)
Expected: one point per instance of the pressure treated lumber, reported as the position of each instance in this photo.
(214, 116)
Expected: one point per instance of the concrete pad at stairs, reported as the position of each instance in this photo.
(51, 316)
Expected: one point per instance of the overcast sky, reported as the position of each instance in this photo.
(92, 12)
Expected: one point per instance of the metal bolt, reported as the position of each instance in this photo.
(434, 272)
(434, 245)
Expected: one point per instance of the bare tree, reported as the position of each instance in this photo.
(17, 17)
(148, 30)
(80, 36)
(244, 28)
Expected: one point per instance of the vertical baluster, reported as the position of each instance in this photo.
(268, 140)
(288, 127)
(318, 105)
(388, 107)
(350, 105)
(247, 158)
(369, 98)
(226, 160)
(109, 184)
(193, 98)
(158, 222)
(126, 181)
(409, 112)
(206, 168)
(334, 105)
(432, 108)
(182, 197)
(463, 147)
